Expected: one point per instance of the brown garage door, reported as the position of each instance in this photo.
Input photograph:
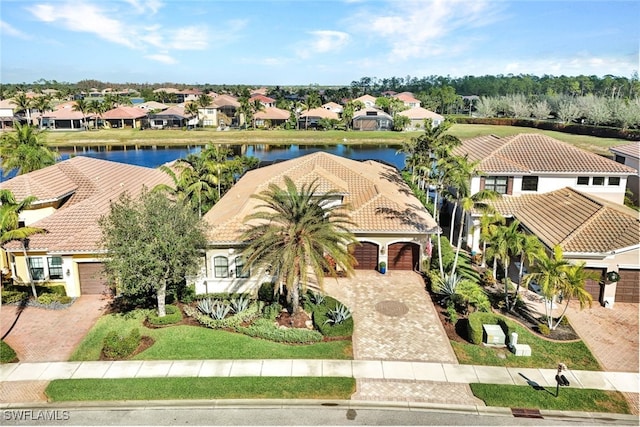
(366, 255)
(404, 256)
(594, 287)
(92, 279)
(628, 287)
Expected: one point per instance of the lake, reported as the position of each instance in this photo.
(155, 157)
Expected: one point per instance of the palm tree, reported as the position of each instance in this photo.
(531, 247)
(42, 104)
(256, 106)
(295, 230)
(556, 276)
(23, 103)
(488, 222)
(96, 107)
(11, 229)
(507, 243)
(82, 106)
(25, 149)
(192, 109)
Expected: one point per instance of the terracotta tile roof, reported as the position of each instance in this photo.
(575, 221)
(93, 183)
(631, 150)
(224, 100)
(366, 98)
(176, 110)
(152, 105)
(535, 153)
(406, 97)
(124, 113)
(421, 113)
(368, 113)
(7, 103)
(262, 98)
(323, 113)
(65, 114)
(272, 113)
(380, 201)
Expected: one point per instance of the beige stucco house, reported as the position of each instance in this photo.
(390, 222)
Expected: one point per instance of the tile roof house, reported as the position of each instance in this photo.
(629, 154)
(264, 100)
(604, 235)
(408, 99)
(417, 116)
(71, 196)
(367, 100)
(7, 106)
(311, 118)
(333, 106)
(271, 117)
(566, 196)
(64, 118)
(172, 117)
(390, 222)
(372, 118)
(125, 117)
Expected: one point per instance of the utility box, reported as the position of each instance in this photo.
(493, 335)
(522, 350)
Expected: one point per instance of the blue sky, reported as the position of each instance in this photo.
(328, 42)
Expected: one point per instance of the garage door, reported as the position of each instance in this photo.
(404, 256)
(628, 287)
(366, 255)
(594, 287)
(92, 279)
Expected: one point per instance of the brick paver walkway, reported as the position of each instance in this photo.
(395, 320)
(41, 335)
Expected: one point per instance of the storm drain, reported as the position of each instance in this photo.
(526, 413)
(392, 308)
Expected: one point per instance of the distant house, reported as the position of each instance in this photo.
(6, 113)
(388, 221)
(371, 118)
(125, 117)
(225, 112)
(417, 116)
(70, 198)
(408, 99)
(311, 118)
(152, 106)
(172, 117)
(64, 119)
(333, 106)
(271, 117)
(368, 100)
(264, 100)
(629, 154)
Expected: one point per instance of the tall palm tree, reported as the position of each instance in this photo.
(293, 230)
(26, 150)
(256, 106)
(488, 222)
(10, 228)
(82, 105)
(507, 243)
(42, 104)
(192, 109)
(23, 103)
(96, 107)
(573, 287)
(531, 247)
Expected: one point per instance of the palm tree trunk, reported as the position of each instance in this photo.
(520, 272)
(506, 288)
(459, 244)
(561, 316)
(484, 254)
(453, 220)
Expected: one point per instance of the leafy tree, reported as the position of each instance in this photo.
(567, 111)
(26, 150)
(294, 229)
(400, 122)
(10, 228)
(152, 243)
(486, 107)
(540, 110)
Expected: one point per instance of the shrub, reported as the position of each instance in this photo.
(47, 299)
(316, 298)
(543, 328)
(173, 315)
(58, 290)
(267, 292)
(448, 255)
(338, 314)
(231, 322)
(187, 294)
(7, 354)
(476, 320)
(117, 346)
(10, 297)
(319, 317)
(266, 329)
(452, 313)
(271, 311)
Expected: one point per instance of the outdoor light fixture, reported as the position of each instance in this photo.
(68, 272)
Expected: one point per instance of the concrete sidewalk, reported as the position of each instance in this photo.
(359, 369)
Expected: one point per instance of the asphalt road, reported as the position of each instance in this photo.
(304, 415)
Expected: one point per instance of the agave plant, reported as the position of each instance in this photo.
(316, 298)
(338, 315)
(238, 305)
(220, 310)
(205, 305)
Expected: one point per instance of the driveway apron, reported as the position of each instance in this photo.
(395, 320)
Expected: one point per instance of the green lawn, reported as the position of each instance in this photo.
(131, 137)
(194, 342)
(7, 354)
(201, 388)
(544, 353)
(569, 399)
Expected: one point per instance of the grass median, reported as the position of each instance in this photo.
(201, 388)
(569, 399)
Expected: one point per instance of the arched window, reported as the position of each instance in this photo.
(220, 266)
(241, 272)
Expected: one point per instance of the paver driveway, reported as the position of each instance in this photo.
(396, 320)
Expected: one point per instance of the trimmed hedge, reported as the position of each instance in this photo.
(267, 329)
(47, 299)
(7, 354)
(173, 315)
(117, 346)
(319, 316)
(11, 296)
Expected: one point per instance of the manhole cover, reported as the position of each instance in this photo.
(392, 308)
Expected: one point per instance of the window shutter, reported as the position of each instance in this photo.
(482, 182)
(510, 185)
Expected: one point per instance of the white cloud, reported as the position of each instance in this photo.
(142, 6)
(161, 57)
(86, 18)
(10, 30)
(322, 41)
